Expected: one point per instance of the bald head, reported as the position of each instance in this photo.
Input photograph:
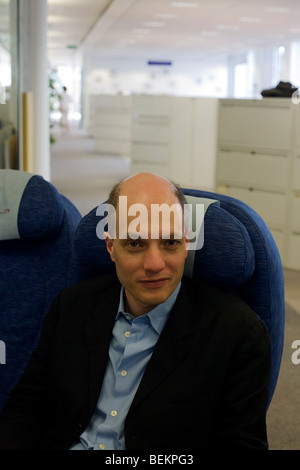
(147, 188)
(149, 247)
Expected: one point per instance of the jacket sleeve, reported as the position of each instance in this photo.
(243, 420)
(21, 419)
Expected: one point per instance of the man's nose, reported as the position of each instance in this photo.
(154, 260)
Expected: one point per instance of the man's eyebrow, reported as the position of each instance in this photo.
(130, 236)
(174, 235)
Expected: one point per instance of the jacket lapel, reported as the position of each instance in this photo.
(171, 348)
(98, 334)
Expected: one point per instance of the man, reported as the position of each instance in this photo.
(145, 360)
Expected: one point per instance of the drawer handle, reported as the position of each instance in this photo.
(253, 152)
(251, 189)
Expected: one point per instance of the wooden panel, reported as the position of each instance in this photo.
(27, 132)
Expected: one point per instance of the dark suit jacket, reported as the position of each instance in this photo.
(206, 385)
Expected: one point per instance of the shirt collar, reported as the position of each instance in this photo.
(158, 315)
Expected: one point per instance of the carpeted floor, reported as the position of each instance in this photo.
(283, 418)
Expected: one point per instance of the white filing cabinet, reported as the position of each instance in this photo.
(293, 249)
(258, 162)
(176, 138)
(110, 123)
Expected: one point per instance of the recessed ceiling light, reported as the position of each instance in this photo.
(194, 38)
(140, 31)
(250, 19)
(228, 27)
(210, 33)
(278, 9)
(184, 4)
(166, 16)
(154, 24)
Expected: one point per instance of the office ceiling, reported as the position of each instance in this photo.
(166, 30)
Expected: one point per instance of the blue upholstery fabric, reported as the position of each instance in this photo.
(33, 269)
(239, 254)
(227, 256)
(40, 217)
(264, 290)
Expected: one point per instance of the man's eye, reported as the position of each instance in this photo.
(172, 243)
(133, 244)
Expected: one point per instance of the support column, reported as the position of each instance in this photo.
(35, 84)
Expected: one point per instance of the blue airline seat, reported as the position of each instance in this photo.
(238, 254)
(37, 226)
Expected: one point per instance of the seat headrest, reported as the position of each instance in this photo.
(30, 207)
(226, 258)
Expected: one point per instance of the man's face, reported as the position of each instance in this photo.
(149, 269)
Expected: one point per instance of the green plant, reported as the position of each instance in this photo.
(54, 99)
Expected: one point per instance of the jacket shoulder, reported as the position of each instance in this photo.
(219, 305)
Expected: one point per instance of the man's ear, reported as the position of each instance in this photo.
(109, 245)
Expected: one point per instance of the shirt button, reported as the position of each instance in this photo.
(128, 317)
(114, 413)
(124, 373)
(127, 334)
(101, 446)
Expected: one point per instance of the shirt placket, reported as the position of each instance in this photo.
(113, 415)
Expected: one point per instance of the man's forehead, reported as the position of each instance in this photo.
(149, 221)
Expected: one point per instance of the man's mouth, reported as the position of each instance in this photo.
(154, 283)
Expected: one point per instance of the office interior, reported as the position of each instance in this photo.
(162, 86)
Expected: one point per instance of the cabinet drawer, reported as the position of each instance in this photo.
(293, 256)
(270, 206)
(162, 170)
(297, 133)
(110, 132)
(119, 120)
(111, 102)
(112, 147)
(149, 153)
(295, 219)
(150, 133)
(254, 169)
(296, 173)
(151, 105)
(256, 124)
(279, 238)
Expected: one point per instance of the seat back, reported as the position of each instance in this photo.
(238, 254)
(37, 226)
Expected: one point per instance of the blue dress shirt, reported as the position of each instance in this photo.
(131, 346)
